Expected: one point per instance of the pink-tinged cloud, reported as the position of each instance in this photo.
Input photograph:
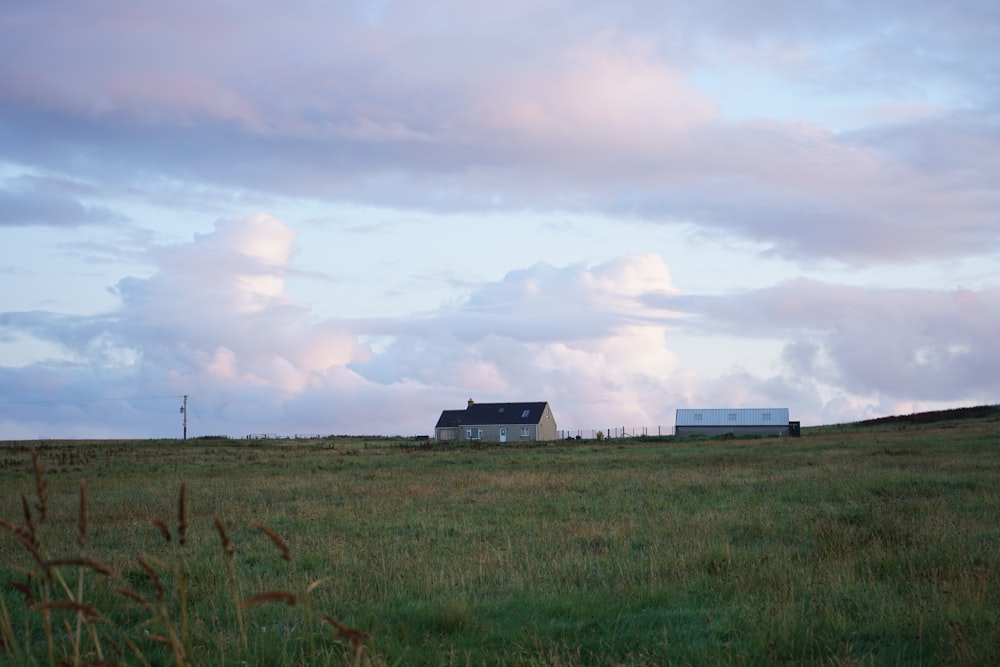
(903, 344)
(218, 311)
(529, 106)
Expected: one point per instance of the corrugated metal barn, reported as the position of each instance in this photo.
(714, 422)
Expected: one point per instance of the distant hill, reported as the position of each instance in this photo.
(933, 416)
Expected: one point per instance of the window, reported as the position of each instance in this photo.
(474, 433)
(524, 415)
(698, 416)
(500, 410)
(525, 432)
(732, 416)
(765, 416)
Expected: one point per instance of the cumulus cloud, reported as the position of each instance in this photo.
(215, 321)
(580, 336)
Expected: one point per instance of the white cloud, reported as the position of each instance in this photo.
(594, 340)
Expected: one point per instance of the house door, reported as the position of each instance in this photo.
(503, 435)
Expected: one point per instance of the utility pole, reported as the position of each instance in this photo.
(184, 410)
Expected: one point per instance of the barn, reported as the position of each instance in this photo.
(714, 422)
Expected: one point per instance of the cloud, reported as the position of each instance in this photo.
(214, 321)
(903, 344)
(579, 336)
(419, 105)
(48, 207)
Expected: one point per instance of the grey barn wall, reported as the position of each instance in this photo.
(714, 431)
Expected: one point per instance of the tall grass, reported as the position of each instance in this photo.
(77, 610)
(863, 548)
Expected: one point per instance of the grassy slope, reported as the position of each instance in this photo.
(954, 416)
(872, 547)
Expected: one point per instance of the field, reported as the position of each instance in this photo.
(866, 545)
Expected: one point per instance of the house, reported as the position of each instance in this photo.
(734, 421)
(497, 422)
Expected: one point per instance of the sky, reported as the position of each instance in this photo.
(345, 217)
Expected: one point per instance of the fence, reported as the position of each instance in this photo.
(614, 432)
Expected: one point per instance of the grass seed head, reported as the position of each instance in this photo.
(227, 546)
(42, 505)
(182, 516)
(286, 554)
(81, 538)
(25, 589)
(29, 521)
(164, 531)
(160, 639)
(154, 578)
(92, 563)
(270, 596)
(138, 599)
(316, 584)
(357, 638)
(22, 534)
(89, 612)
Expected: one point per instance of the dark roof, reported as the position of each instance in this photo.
(483, 414)
(450, 419)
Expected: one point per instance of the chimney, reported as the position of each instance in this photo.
(471, 403)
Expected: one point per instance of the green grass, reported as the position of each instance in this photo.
(863, 547)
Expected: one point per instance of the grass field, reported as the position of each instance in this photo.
(850, 546)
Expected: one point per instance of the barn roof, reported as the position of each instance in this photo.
(732, 417)
(485, 414)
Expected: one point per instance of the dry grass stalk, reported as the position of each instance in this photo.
(153, 577)
(275, 539)
(29, 521)
(89, 612)
(182, 516)
(164, 531)
(42, 506)
(135, 650)
(81, 538)
(138, 599)
(270, 596)
(20, 533)
(229, 550)
(357, 638)
(160, 639)
(315, 584)
(81, 561)
(227, 546)
(26, 534)
(24, 588)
